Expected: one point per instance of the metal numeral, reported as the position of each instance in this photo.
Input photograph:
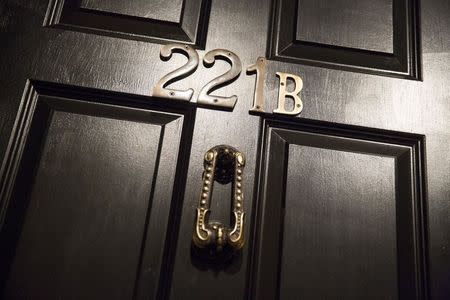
(260, 69)
(204, 97)
(160, 89)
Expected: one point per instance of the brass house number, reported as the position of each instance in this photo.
(206, 99)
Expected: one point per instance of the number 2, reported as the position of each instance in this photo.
(226, 102)
(160, 89)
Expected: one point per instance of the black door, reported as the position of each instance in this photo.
(101, 179)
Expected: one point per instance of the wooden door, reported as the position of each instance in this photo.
(100, 180)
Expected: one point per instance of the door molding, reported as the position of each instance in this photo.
(404, 62)
(407, 149)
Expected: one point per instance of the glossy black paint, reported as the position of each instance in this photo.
(286, 43)
(406, 216)
(93, 74)
(43, 206)
(189, 26)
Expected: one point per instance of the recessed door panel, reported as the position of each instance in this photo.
(88, 199)
(158, 21)
(359, 24)
(86, 214)
(379, 37)
(340, 213)
(339, 229)
(163, 10)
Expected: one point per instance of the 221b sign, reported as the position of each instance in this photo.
(206, 99)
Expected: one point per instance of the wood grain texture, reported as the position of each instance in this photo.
(354, 24)
(88, 189)
(339, 230)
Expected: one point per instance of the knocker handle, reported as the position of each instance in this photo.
(223, 164)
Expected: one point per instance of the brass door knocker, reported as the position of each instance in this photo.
(223, 164)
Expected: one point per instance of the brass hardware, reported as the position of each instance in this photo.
(223, 164)
(282, 94)
(260, 69)
(160, 89)
(258, 100)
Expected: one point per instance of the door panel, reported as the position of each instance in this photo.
(373, 92)
(339, 226)
(365, 25)
(321, 234)
(156, 21)
(318, 33)
(94, 191)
